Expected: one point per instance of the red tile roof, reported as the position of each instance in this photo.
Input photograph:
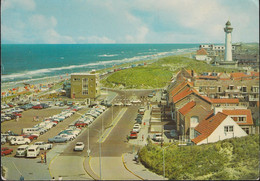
(238, 75)
(228, 101)
(207, 126)
(187, 107)
(247, 112)
(182, 94)
(187, 92)
(180, 86)
(255, 74)
(202, 51)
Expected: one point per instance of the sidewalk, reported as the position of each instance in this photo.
(143, 131)
(138, 169)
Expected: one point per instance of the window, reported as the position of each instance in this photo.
(76, 79)
(242, 119)
(231, 87)
(219, 89)
(255, 89)
(228, 129)
(246, 130)
(244, 89)
(84, 92)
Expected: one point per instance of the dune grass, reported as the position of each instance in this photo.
(231, 159)
(157, 74)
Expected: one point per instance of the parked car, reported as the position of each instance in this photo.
(141, 110)
(31, 137)
(39, 106)
(3, 140)
(6, 151)
(11, 104)
(33, 151)
(138, 120)
(21, 151)
(80, 124)
(128, 104)
(158, 137)
(136, 128)
(133, 135)
(43, 145)
(19, 140)
(150, 95)
(57, 139)
(70, 103)
(11, 115)
(17, 114)
(136, 101)
(69, 137)
(26, 106)
(118, 104)
(79, 146)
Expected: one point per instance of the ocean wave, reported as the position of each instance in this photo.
(108, 55)
(41, 72)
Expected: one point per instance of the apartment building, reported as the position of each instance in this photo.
(85, 85)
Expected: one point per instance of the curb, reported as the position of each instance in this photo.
(130, 170)
(89, 166)
(50, 164)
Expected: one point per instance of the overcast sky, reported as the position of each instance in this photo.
(128, 21)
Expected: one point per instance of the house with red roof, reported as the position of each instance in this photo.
(225, 102)
(218, 126)
(202, 55)
(243, 118)
(189, 116)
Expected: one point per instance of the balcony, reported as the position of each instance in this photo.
(233, 90)
(253, 99)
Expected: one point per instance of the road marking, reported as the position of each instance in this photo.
(114, 123)
(89, 166)
(128, 169)
(49, 168)
(17, 168)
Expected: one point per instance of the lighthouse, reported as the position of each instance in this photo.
(228, 42)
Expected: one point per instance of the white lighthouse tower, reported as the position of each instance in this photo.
(228, 42)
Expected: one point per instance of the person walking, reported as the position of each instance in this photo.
(42, 157)
(21, 178)
(142, 137)
(127, 137)
(45, 158)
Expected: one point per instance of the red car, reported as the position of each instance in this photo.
(10, 104)
(37, 106)
(80, 124)
(133, 135)
(31, 137)
(6, 151)
(17, 114)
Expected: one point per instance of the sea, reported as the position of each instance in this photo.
(30, 63)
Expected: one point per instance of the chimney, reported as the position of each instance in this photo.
(217, 109)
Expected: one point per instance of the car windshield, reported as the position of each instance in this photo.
(20, 149)
(78, 144)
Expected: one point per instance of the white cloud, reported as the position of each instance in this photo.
(53, 37)
(12, 35)
(28, 5)
(95, 39)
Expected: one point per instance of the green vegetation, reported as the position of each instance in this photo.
(231, 159)
(157, 74)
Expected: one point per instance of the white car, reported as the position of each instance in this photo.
(69, 137)
(79, 146)
(19, 140)
(118, 104)
(136, 101)
(136, 128)
(43, 145)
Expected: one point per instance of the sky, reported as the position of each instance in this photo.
(127, 21)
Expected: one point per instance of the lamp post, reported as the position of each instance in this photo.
(99, 131)
(164, 161)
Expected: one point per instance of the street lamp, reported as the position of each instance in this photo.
(99, 131)
(164, 161)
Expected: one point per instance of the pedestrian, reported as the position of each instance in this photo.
(60, 178)
(42, 158)
(45, 158)
(21, 178)
(127, 137)
(142, 137)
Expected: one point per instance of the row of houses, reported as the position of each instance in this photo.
(211, 107)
